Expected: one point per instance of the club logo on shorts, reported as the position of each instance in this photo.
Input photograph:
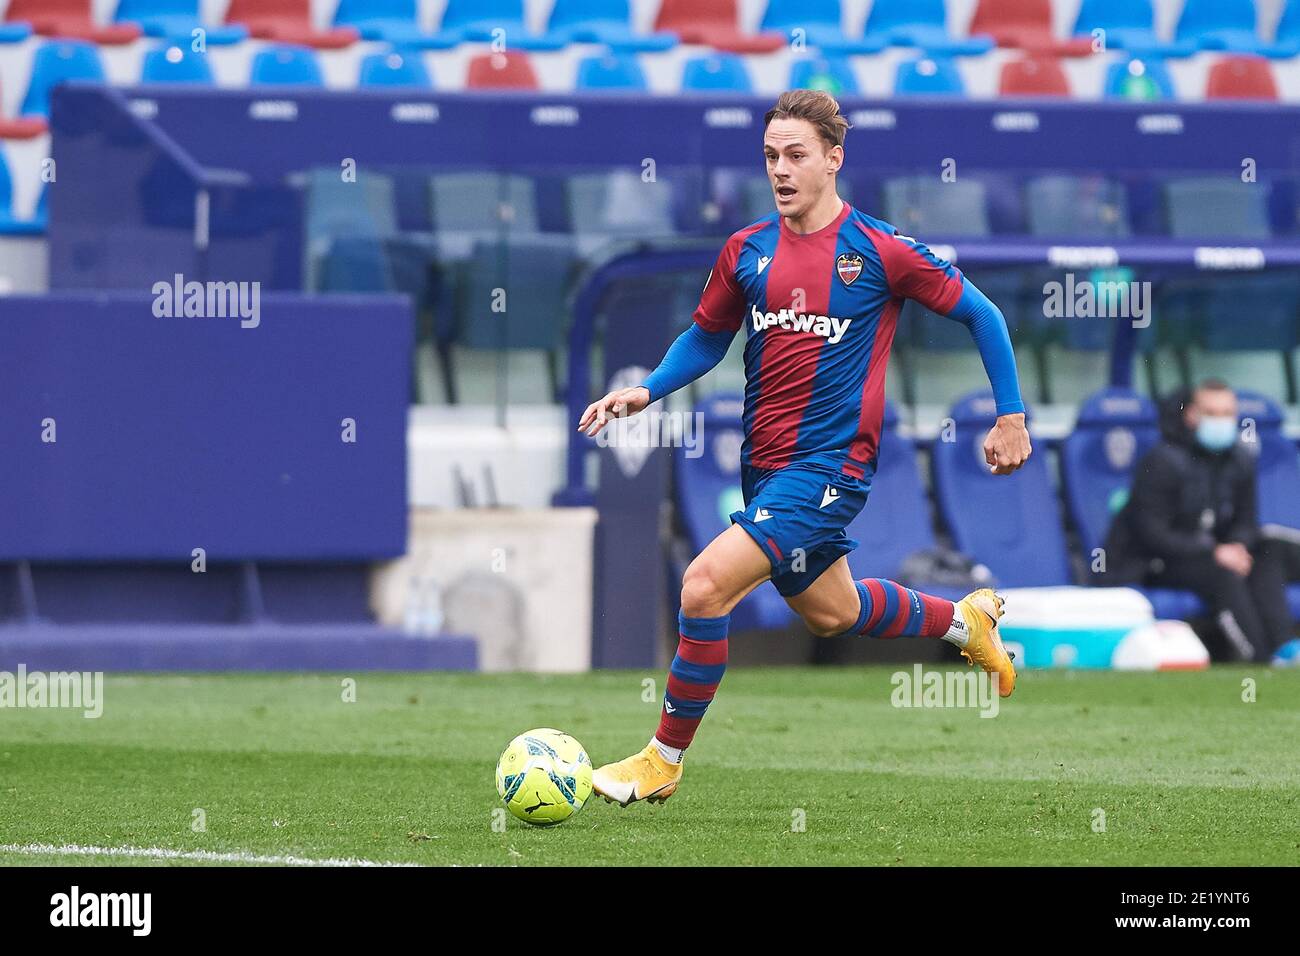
(849, 266)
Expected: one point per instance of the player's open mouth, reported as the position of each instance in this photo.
(785, 193)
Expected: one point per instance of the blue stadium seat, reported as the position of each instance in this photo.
(395, 68)
(1221, 25)
(15, 32)
(816, 23)
(1288, 30)
(917, 208)
(1278, 463)
(604, 21)
(176, 64)
(716, 73)
(708, 491)
(286, 66)
(896, 522)
(832, 75)
(1140, 78)
(176, 19)
(486, 20)
(535, 272)
(9, 225)
(392, 21)
(346, 224)
(54, 63)
(920, 23)
(1009, 523)
(1224, 206)
(928, 76)
(1115, 428)
(1128, 25)
(612, 71)
(1090, 207)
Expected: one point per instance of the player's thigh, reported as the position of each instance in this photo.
(724, 572)
(830, 605)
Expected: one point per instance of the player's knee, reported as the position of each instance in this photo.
(702, 596)
(827, 623)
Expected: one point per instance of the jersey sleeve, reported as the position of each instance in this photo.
(722, 303)
(915, 272)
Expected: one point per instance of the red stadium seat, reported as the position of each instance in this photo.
(713, 23)
(501, 71)
(71, 19)
(289, 22)
(1241, 78)
(1033, 76)
(1025, 24)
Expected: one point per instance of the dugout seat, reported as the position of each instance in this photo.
(1241, 78)
(1216, 207)
(604, 21)
(56, 62)
(1025, 24)
(716, 73)
(713, 23)
(928, 76)
(511, 70)
(1141, 78)
(175, 19)
(707, 491)
(610, 71)
(396, 68)
(917, 208)
(1033, 76)
(390, 21)
(1077, 207)
(832, 74)
(285, 66)
(288, 22)
(1010, 523)
(817, 23)
(69, 20)
(605, 207)
(920, 23)
(172, 63)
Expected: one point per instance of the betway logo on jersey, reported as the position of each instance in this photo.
(827, 326)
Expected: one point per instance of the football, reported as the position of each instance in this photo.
(544, 777)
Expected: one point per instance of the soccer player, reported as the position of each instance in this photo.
(819, 286)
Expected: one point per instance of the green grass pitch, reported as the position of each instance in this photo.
(1183, 769)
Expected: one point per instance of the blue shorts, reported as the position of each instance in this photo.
(797, 515)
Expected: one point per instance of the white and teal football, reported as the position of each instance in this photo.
(544, 777)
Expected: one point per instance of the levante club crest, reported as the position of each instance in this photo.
(849, 266)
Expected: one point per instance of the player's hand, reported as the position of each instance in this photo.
(1234, 557)
(1007, 446)
(617, 404)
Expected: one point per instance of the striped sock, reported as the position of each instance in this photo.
(891, 610)
(693, 678)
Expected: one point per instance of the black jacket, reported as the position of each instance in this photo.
(1184, 501)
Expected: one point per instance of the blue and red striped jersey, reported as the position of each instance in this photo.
(821, 310)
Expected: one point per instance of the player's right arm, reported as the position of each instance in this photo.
(696, 351)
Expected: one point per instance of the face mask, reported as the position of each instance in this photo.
(1217, 433)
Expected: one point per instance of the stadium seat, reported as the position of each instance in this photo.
(816, 23)
(1287, 41)
(1241, 78)
(511, 70)
(14, 32)
(604, 21)
(1220, 25)
(1085, 207)
(713, 23)
(832, 75)
(490, 20)
(716, 73)
(285, 66)
(1128, 25)
(1213, 207)
(1247, 331)
(1033, 76)
(9, 224)
(928, 76)
(1025, 24)
(612, 71)
(896, 522)
(1141, 78)
(54, 63)
(918, 208)
(707, 491)
(1278, 463)
(175, 19)
(288, 22)
(346, 224)
(920, 23)
(390, 21)
(1010, 523)
(1114, 429)
(69, 20)
(606, 206)
(175, 64)
(395, 68)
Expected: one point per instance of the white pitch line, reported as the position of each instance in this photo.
(204, 856)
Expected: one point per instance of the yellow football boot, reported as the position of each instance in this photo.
(643, 776)
(981, 610)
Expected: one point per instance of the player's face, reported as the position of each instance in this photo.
(800, 166)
